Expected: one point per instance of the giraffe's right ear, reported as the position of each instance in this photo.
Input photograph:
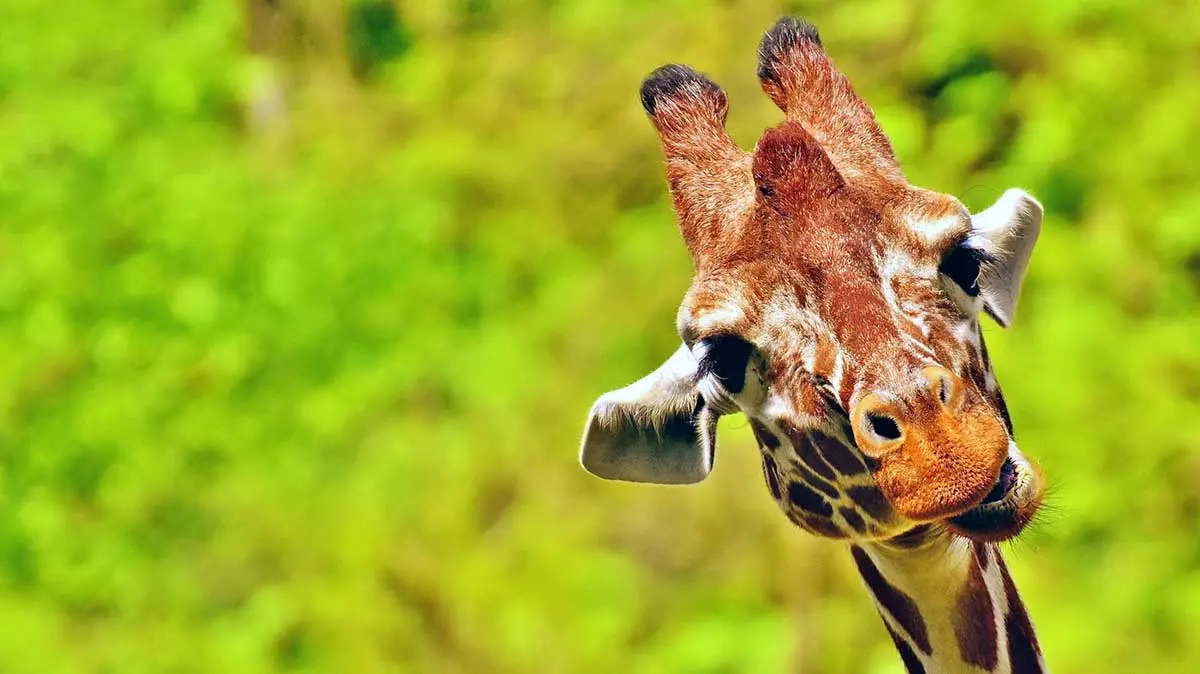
(656, 430)
(1007, 232)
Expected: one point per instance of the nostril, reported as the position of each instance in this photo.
(883, 426)
(877, 427)
(942, 384)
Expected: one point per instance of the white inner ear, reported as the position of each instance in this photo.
(1007, 231)
(653, 430)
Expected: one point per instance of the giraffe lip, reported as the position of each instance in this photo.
(1008, 507)
(1004, 483)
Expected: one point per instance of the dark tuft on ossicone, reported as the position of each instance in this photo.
(676, 80)
(787, 34)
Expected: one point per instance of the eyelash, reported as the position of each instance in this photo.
(962, 265)
(726, 358)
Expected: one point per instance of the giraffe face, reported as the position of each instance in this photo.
(847, 331)
(837, 307)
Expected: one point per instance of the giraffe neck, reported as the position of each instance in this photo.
(950, 605)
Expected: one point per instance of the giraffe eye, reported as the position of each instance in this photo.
(961, 265)
(726, 357)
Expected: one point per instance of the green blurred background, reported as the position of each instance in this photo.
(304, 304)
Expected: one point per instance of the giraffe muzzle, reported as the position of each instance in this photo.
(1009, 507)
(938, 451)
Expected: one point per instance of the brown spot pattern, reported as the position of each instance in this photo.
(808, 500)
(1023, 648)
(838, 455)
(913, 538)
(808, 455)
(765, 437)
(816, 482)
(815, 525)
(820, 526)
(981, 553)
(974, 622)
(853, 519)
(771, 473)
(912, 664)
(899, 605)
(871, 501)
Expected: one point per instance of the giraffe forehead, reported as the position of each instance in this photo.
(842, 283)
(851, 301)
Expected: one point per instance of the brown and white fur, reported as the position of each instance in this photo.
(837, 307)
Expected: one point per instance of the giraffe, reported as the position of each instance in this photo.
(838, 307)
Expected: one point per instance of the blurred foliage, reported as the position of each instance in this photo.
(304, 304)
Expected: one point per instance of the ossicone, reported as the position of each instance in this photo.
(678, 89)
(788, 34)
(790, 164)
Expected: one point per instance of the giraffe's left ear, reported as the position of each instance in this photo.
(1007, 232)
(655, 430)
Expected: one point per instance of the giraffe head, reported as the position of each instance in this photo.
(837, 307)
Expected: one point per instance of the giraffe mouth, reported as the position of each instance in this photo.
(1009, 507)
(1004, 484)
